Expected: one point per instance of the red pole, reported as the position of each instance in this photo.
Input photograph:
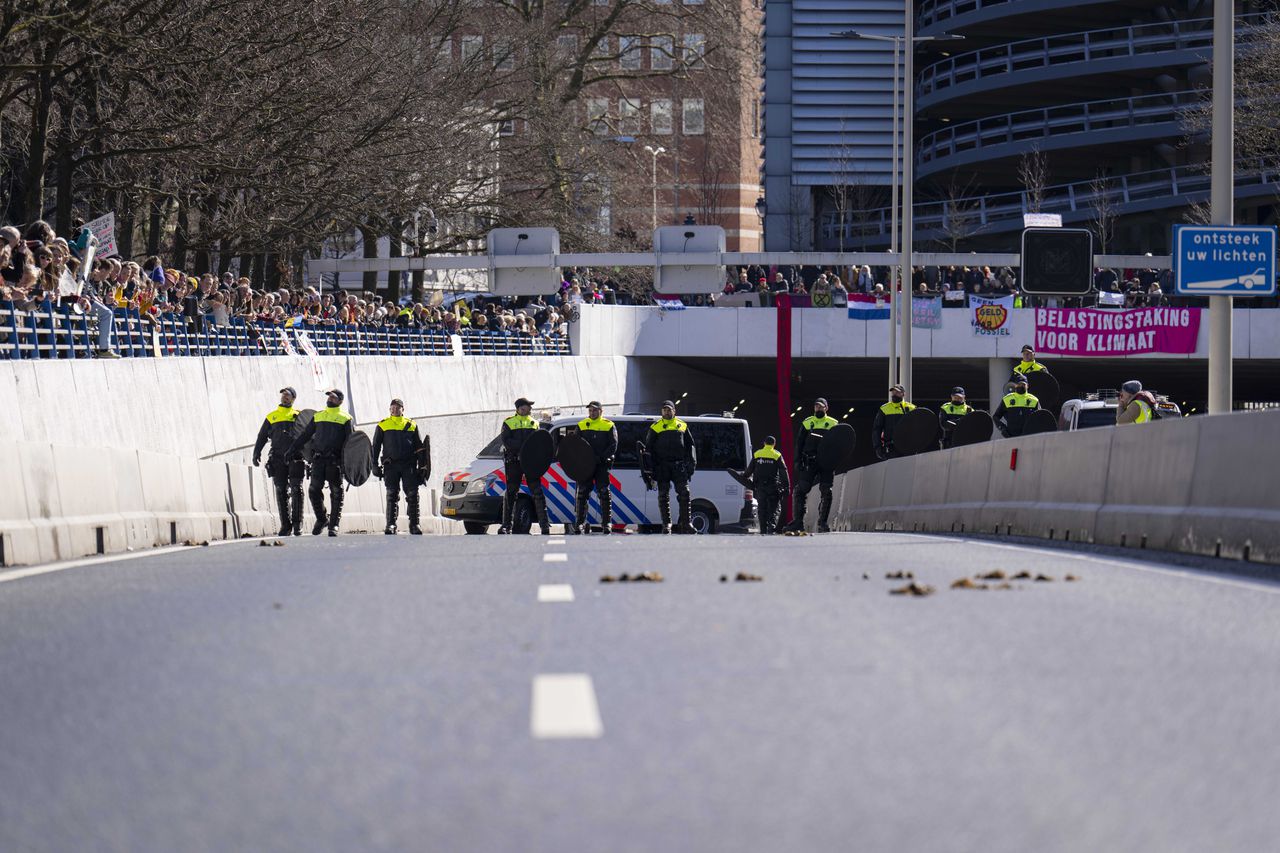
(783, 366)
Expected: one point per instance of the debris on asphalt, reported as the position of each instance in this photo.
(965, 583)
(1071, 578)
(743, 576)
(795, 533)
(1043, 578)
(899, 576)
(913, 589)
(265, 544)
(1022, 576)
(866, 577)
(191, 543)
(643, 577)
(608, 579)
(1005, 585)
(724, 579)
(995, 575)
(246, 535)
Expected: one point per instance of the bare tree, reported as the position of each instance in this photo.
(961, 212)
(1033, 172)
(1103, 210)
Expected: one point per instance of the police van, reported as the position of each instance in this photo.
(1100, 408)
(474, 495)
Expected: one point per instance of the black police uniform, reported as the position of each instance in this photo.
(949, 417)
(515, 430)
(670, 445)
(280, 427)
(1012, 413)
(808, 440)
(771, 483)
(328, 433)
(886, 422)
(398, 440)
(602, 436)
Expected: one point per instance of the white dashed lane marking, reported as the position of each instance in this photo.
(564, 706)
(555, 541)
(555, 558)
(554, 593)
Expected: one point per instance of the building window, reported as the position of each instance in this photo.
(695, 48)
(661, 53)
(444, 53)
(504, 55)
(507, 127)
(567, 46)
(692, 120)
(628, 116)
(602, 47)
(629, 53)
(598, 114)
(693, 2)
(660, 117)
(471, 47)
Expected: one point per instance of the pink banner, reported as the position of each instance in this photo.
(1098, 331)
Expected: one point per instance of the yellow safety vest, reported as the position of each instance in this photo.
(595, 425)
(897, 408)
(767, 452)
(1144, 412)
(664, 425)
(1025, 367)
(281, 414)
(332, 416)
(396, 422)
(827, 422)
(1021, 401)
(520, 422)
(954, 409)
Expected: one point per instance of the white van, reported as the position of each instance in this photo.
(474, 495)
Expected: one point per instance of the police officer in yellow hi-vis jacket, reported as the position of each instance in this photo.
(396, 439)
(515, 430)
(808, 474)
(280, 427)
(771, 484)
(1016, 407)
(670, 446)
(330, 429)
(602, 436)
(886, 421)
(950, 414)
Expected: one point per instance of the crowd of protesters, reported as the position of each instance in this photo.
(39, 268)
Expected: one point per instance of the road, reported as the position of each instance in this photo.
(373, 693)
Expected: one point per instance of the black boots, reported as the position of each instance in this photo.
(282, 502)
(415, 512)
(824, 510)
(393, 512)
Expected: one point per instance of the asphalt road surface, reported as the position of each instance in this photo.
(373, 693)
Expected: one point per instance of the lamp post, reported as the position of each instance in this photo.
(1221, 196)
(655, 152)
(903, 312)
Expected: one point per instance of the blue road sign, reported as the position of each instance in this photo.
(1224, 260)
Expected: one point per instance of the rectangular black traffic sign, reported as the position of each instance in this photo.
(1057, 261)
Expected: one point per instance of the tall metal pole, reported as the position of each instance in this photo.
(655, 191)
(908, 179)
(1221, 196)
(893, 225)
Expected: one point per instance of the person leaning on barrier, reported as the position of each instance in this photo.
(670, 446)
(1133, 408)
(1029, 364)
(1016, 407)
(886, 421)
(771, 484)
(396, 439)
(515, 431)
(280, 427)
(808, 473)
(328, 432)
(602, 436)
(950, 414)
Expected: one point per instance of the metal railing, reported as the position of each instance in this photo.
(52, 331)
(1028, 126)
(1171, 187)
(1056, 51)
(934, 12)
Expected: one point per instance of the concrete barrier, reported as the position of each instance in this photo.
(1194, 485)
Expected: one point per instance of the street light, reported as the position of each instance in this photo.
(909, 40)
(655, 152)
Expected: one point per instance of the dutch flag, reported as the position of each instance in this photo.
(864, 307)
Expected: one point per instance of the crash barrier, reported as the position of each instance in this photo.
(1199, 485)
(58, 331)
(58, 502)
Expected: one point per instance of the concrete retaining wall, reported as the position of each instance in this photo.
(1199, 485)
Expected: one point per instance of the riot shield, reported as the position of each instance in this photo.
(917, 431)
(537, 454)
(974, 428)
(1043, 384)
(357, 458)
(304, 419)
(423, 460)
(1041, 420)
(576, 458)
(836, 447)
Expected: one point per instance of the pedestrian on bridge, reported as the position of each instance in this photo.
(280, 427)
(771, 484)
(600, 433)
(808, 472)
(328, 433)
(950, 414)
(515, 432)
(669, 447)
(1016, 407)
(396, 438)
(886, 421)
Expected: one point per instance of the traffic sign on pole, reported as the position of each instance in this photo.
(1057, 261)
(1224, 260)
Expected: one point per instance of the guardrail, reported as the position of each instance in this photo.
(52, 331)
(1030, 126)
(1174, 485)
(972, 215)
(931, 13)
(1066, 49)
